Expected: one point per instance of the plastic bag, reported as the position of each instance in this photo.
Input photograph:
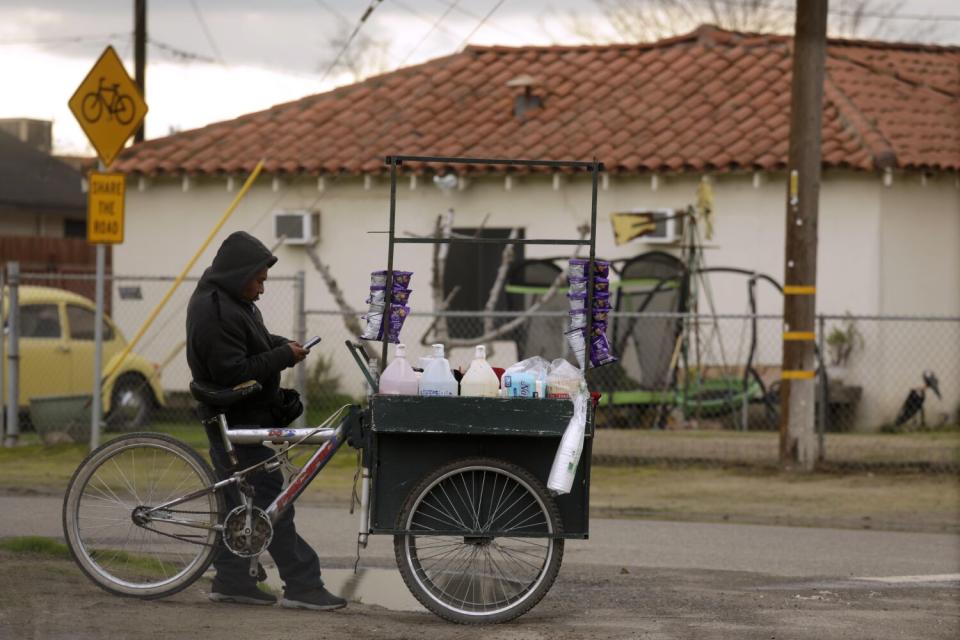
(526, 379)
(563, 380)
(564, 467)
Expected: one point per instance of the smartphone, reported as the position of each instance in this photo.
(312, 342)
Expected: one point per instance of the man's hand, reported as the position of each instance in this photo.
(299, 353)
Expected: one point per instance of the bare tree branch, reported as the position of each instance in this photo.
(506, 257)
(349, 314)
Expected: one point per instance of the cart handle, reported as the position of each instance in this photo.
(361, 362)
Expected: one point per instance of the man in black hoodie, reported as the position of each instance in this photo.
(227, 343)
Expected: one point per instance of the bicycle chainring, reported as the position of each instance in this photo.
(247, 544)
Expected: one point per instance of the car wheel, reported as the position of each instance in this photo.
(131, 404)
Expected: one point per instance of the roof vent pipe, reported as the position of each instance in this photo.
(526, 101)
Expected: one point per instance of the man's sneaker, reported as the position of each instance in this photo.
(248, 594)
(317, 599)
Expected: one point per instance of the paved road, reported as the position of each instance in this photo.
(770, 550)
(632, 579)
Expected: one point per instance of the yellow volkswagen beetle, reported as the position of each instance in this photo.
(56, 357)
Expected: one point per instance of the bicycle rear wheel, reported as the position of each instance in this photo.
(118, 545)
(506, 558)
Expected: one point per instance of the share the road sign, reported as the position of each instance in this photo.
(105, 208)
(108, 106)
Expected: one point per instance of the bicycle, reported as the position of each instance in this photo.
(477, 540)
(120, 105)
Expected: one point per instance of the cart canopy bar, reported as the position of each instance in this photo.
(576, 164)
(488, 241)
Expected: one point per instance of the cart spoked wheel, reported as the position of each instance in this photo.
(486, 553)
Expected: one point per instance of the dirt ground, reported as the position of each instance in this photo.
(48, 599)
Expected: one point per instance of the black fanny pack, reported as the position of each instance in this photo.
(286, 408)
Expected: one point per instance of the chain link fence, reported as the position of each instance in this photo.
(686, 388)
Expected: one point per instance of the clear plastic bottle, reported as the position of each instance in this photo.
(480, 379)
(437, 379)
(399, 378)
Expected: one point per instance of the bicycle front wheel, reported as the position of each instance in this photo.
(117, 541)
(481, 547)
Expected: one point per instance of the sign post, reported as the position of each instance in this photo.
(109, 108)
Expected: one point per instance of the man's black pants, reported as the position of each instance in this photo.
(298, 563)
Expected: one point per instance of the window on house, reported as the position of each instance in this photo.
(473, 268)
(74, 228)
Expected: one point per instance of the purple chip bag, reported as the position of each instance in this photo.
(400, 296)
(377, 295)
(578, 285)
(578, 301)
(378, 279)
(577, 268)
(601, 300)
(600, 351)
(601, 285)
(398, 314)
(600, 315)
(601, 269)
(401, 279)
(578, 319)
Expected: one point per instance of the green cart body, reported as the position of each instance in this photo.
(410, 436)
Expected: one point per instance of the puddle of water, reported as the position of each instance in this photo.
(382, 587)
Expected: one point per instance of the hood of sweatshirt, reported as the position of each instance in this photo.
(239, 259)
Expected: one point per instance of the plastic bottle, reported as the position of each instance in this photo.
(437, 379)
(480, 379)
(399, 378)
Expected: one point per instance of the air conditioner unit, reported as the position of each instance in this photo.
(297, 226)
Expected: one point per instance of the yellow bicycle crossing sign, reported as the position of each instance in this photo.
(108, 106)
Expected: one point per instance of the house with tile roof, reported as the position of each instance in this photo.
(662, 117)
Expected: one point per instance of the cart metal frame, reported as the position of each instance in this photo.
(409, 436)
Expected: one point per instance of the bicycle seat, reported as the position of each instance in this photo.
(217, 396)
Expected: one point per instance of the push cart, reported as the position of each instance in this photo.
(459, 482)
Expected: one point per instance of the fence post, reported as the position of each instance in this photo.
(822, 395)
(300, 335)
(13, 358)
(3, 351)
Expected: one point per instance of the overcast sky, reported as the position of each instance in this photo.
(251, 55)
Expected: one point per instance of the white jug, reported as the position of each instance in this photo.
(437, 379)
(480, 379)
(399, 378)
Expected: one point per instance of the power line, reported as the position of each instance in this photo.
(206, 32)
(177, 52)
(480, 24)
(366, 14)
(847, 13)
(426, 19)
(471, 14)
(330, 9)
(67, 39)
(430, 31)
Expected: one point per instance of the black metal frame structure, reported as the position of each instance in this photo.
(394, 162)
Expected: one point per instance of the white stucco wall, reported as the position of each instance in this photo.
(859, 238)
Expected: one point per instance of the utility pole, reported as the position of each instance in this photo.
(798, 440)
(140, 56)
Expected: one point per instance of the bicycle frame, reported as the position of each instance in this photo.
(331, 438)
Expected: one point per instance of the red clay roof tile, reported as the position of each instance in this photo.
(711, 99)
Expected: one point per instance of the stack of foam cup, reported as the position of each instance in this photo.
(588, 327)
(379, 318)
